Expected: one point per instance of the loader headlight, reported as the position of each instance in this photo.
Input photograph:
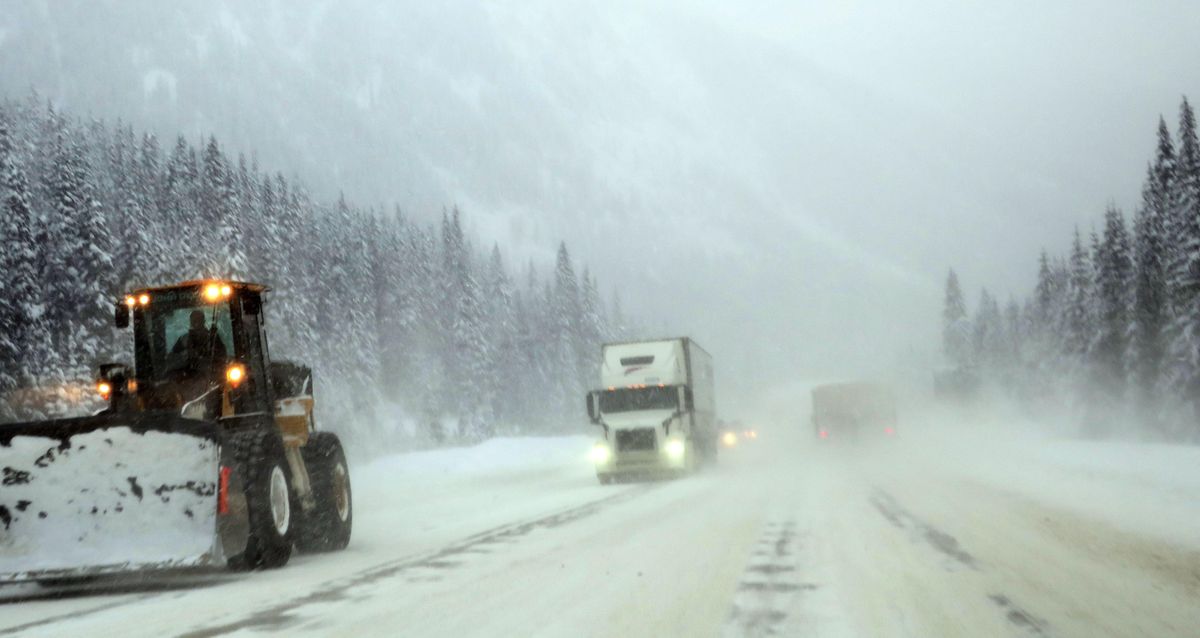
(729, 439)
(601, 454)
(216, 291)
(104, 389)
(675, 449)
(235, 373)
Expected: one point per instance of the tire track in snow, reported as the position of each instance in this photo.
(114, 586)
(283, 616)
(949, 546)
(939, 540)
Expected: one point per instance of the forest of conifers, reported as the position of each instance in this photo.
(416, 336)
(1111, 331)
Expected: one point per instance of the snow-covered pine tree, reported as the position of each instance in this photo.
(1114, 273)
(213, 207)
(131, 223)
(617, 328)
(1150, 310)
(1078, 329)
(390, 297)
(1184, 282)
(267, 262)
(1043, 295)
(21, 322)
(359, 351)
(956, 340)
(1014, 339)
(566, 322)
(107, 211)
(592, 327)
(987, 337)
(230, 248)
(80, 284)
(502, 330)
(140, 257)
(182, 235)
(428, 362)
(244, 237)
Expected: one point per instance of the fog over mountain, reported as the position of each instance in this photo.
(786, 184)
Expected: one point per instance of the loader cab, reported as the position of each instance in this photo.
(199, 347)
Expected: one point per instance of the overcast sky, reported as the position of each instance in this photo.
(785, 181)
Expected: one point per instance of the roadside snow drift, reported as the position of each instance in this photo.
(106, 500)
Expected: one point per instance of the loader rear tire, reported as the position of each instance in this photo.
(270, 503)
(327, 527)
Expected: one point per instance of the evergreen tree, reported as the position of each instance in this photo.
(1150, 291)
(987, 333)
(955, 328)
(373, 303)
(1044, 295)
(184, 232)
(20, 312)
(1184, 280)
(565, 333)
(79, 289)
(617, 326)
(1014, 334)
(1078, 315)
(1114, 275)
(503, 335)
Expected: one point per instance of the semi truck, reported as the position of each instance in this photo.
(656, 407)
(849, 411)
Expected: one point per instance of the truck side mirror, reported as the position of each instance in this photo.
(121, 316)
(593, 406)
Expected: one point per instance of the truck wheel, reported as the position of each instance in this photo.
(327, 527)
(267, 481)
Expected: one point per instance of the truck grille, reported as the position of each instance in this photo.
(635, 440)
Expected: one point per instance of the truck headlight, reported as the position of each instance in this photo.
(600, 453)
(675, 449)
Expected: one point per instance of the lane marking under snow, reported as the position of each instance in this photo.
(769, 586)
(283, 615)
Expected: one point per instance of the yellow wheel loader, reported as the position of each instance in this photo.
(207, 454)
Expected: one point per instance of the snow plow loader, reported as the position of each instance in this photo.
(205, 456)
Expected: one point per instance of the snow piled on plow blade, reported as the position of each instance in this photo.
(93, 496)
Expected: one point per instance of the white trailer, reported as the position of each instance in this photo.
(656, 406)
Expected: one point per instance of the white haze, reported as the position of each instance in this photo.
(786, 182)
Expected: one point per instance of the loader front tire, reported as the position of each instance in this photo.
(269, 500)
(327, 527)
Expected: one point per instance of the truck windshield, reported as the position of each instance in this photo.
(630, 399)
(180, 336)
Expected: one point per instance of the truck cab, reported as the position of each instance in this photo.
(655, 409)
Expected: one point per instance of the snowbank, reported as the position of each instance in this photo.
(1139, 487)
(506, 455)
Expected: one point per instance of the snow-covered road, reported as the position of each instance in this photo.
(933, 535)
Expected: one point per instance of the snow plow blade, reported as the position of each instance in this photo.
(108, 494)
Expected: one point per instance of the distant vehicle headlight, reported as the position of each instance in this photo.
(729, 439)
(675, 449)
(601, 453)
